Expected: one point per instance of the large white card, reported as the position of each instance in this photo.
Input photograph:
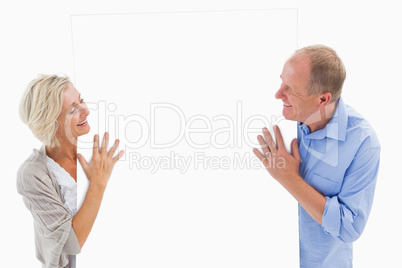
(187, 93)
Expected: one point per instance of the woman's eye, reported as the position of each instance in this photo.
(75, 107)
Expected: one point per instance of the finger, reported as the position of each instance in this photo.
(279, 138)
(260, 156)
(270, 140)
(263, 144)
(295, 150)
(117, 157)
(113, 149)
(96, 145)
(104, 143)
(83, 162)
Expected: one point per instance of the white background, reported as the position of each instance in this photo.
(201, 218)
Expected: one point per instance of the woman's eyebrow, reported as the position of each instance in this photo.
(79, 98)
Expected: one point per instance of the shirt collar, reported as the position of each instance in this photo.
(42, 149)
(336, 127)
(41, 153)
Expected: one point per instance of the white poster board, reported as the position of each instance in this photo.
(187, 93)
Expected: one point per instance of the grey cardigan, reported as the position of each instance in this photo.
(55, 239)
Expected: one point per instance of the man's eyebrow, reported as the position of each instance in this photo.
(283, 82)
(79, 98)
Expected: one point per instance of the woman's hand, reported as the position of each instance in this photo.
(100, 167)
(98, 172)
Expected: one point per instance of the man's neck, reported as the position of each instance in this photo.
(321, 118)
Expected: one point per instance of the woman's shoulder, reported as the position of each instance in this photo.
(33, 171)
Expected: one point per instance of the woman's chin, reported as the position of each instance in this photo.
(83, 130)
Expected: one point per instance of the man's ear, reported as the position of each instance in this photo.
(325, 99)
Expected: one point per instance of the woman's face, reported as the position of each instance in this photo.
(73, 117)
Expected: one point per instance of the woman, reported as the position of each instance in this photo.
(54, 111)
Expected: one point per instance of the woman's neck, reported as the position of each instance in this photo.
(65, 152)
(65, 156)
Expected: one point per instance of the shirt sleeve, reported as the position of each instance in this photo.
(346, 214)
(54, 234)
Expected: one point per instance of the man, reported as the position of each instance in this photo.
(334, 162)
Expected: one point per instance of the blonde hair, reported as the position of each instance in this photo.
(41, 105)
(327, 72)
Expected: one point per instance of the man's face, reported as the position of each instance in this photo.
(297, 105)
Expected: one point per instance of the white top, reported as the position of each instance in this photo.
(68, 185)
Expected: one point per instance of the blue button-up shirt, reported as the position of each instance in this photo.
(341, 162)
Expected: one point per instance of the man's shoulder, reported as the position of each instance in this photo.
(359, 130)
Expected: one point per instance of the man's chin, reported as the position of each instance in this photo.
(288, 117)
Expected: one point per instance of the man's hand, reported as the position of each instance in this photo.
(284, 167)
(280, 164)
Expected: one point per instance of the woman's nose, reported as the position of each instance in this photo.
(84, 110)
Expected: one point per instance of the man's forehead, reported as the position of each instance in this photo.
(295, 75)
(297, 67)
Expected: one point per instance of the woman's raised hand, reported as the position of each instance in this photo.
(100, 167)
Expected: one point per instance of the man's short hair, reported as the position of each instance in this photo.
(327, 72)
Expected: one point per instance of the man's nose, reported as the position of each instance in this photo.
(279, 94)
